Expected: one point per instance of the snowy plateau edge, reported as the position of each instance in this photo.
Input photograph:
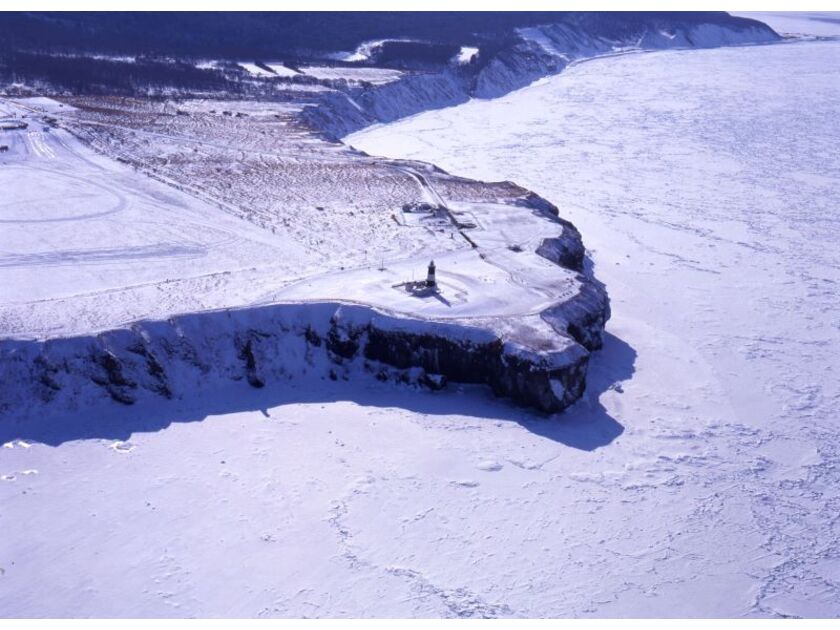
(193, 352)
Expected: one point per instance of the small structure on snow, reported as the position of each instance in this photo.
(12, 125)
(422, 288)
(430, 277)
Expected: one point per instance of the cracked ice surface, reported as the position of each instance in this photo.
(706, 192)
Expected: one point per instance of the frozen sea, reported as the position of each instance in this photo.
(699, 477)
(706, 185)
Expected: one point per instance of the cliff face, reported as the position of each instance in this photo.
(529, 54)
(191, 354)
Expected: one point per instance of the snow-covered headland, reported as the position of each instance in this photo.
(105, 321)
(321, 222)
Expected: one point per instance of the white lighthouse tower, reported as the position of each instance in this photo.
(430, 278)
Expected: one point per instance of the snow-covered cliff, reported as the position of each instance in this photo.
(190, 355)
(538, 359)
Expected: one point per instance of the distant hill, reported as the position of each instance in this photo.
(140, 53)
(233, 35)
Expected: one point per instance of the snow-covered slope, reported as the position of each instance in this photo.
(535, 52)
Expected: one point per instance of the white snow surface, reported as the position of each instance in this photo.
(364, 50)
(277, 69)
(79, 229)
(254, 69)
(281, 70)
(807, 23)
(699, 477)
(369, 75)
(89, 244)
(465, 55)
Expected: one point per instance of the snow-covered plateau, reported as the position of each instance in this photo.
(225, 390)
(284, 220)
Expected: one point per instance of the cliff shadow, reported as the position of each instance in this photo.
(585, 426)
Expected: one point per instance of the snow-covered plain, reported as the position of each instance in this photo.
(698, 478)
(369, 75)
(87, 242)
(255, 211)
(802, 24)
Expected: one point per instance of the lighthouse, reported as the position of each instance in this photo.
(430, 278)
